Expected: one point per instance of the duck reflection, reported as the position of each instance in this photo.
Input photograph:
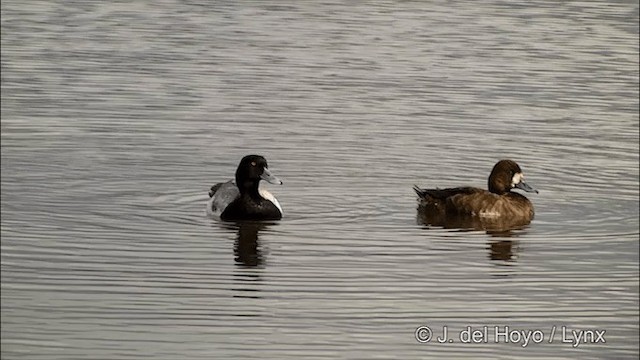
(499, 250)
(249, 258)
(247, 248)
(504, 250)
(496, 227)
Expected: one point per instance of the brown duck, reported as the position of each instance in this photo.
(498, 207)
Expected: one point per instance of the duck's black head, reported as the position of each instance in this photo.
(251, 170)
(506, 175)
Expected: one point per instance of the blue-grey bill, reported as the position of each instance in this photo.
(270, 178)
(524, 186)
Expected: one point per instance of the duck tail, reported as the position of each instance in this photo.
(421, 193)
(214, 188)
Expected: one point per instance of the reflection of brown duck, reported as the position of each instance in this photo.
(502, 250)
(470, 207)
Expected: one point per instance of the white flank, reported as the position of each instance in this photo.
(268, 196)
(210, 211)
(223, 197)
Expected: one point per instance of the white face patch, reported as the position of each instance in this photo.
(516, 179)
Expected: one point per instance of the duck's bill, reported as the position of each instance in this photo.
(270, 178)
(524, 186)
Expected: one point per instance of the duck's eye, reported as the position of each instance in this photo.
(253, 163)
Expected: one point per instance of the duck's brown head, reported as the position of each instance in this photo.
(506, 175)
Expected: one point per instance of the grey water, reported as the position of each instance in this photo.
(117, 117)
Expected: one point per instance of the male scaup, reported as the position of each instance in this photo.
(498, 207)
(243, 199)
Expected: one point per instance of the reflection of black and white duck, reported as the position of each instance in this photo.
(244, 199)
(499, 205)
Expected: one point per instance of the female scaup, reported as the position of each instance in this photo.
(243, 199)
(499, 205)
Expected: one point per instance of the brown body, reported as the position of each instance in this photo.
(470, 207)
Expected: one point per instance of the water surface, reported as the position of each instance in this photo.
(117, 118)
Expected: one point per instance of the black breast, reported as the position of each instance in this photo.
(245, 208)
